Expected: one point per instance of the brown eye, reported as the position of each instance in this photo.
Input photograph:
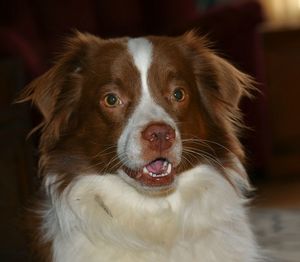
(112, 100)
(179, 94)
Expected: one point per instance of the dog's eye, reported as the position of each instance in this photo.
(178, 94)
(112, 100)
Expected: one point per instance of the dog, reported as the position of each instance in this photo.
(139, 153)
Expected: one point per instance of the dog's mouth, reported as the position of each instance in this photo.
(158, 173)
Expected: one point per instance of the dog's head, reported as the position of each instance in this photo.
(145, 109)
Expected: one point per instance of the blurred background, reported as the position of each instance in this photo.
(260, 37)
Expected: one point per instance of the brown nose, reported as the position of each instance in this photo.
(159, 135)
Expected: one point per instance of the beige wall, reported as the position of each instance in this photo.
(285, 12)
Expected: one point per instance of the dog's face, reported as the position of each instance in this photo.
(144, 109)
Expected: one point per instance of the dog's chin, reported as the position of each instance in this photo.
(157, 177)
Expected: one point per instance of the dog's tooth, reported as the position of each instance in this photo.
(146, 171)
(152, 174)
(169, 168)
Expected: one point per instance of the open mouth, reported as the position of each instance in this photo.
(158, 173)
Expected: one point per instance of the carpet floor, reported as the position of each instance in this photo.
(278, 232)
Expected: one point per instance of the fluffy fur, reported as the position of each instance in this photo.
(93, 208)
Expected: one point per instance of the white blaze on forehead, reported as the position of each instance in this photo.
(130, 147)
(141, 51)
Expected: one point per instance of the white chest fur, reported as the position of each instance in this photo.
(102, 218)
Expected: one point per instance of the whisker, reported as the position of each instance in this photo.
(105, 164)
(218, 144)
(104, 151)
(186, 162)
(206, 141)
(113, 163)
(211, 159)
(200, 143)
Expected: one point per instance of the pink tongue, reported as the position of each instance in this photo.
(156, 167)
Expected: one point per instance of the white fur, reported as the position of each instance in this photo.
(129, 146)
(102, 218)
(141, 52)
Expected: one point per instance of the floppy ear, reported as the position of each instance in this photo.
(232, 84)
(221, 84)
(221, 87)
(57, 91)
(43, 92)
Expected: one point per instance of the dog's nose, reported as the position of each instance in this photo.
(160, 135)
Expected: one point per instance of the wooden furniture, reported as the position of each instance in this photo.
(282, 63)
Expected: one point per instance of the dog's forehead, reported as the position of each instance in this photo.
(141, 50)
(142, 57)
(156, 57)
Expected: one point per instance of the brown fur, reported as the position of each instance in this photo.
(78, 131)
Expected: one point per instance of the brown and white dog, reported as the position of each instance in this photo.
(139, 153)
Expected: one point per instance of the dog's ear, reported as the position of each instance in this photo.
(232, 84)
(220, 87)
(56, 91)
(44, 91)
(221, 84)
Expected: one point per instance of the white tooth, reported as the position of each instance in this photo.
(145, 170)
(169, 168)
